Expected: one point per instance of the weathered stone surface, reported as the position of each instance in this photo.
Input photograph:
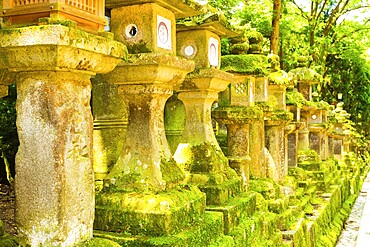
(6, 78)
(146, 82)
(203, 232)
(54, 183)
(110, 114)
(145, 28)
(56, 47)
(54, 158)
(181, 8)
(240, 92)
(256, 149)
(158, 214)
(174, 121)
(275, 143)
(202, 46)
(277, 96)
(261, 85)
(198, 92)
(238, 120)
(199, 152)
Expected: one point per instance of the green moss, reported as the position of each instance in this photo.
(308, 152)
(200, 233)
(210, 17)
(261, 202)
(279, 78)
(308, 209)
(223, 241)
(99, 242)
(323, 105)
(206, 159)
(171, 172)
(57, 21)
(295, 98)
(140, 47)
(158, 214)
(238, 49)
(266, 187)
(245, 64)
(237, 114)
(290, 181)
(281, 116)
(254, 37)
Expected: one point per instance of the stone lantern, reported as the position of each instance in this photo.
(277, 121)
(305, 78)
(318, 126)
(205, 160)
(142, 190)
(251, 69)
(89, 15)
(53, 64)
(295, 103)
(339, 117)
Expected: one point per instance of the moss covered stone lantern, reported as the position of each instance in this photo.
(199, 39)
(149, 26)
(89, 15)
(144, 192)
(53, 65)
(251, 69)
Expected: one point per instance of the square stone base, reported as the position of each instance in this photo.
(159, 214)
(220, 193)
(235, 210)
(207, 230)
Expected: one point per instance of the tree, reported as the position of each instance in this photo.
(323, 17)
(276, 16)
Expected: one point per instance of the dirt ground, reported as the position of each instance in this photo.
(7, 208)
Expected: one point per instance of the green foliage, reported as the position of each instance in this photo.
(337, 45)
(8, 132)
(228, 7)
(349, 73)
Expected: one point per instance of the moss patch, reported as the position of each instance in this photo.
(237, 114)
(202, 233)
(99, 242)
(245, 64)
(279, 78)
(150, 214)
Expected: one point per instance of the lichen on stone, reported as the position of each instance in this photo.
(281, 115)
(237, 114)
(212, 19)
(280, 78)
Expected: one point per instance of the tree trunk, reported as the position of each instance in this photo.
(274, 40)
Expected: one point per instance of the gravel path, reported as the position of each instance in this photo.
(351, 230)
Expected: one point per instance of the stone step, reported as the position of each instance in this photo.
(235, 210)
(208, 229)
(150, 214)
